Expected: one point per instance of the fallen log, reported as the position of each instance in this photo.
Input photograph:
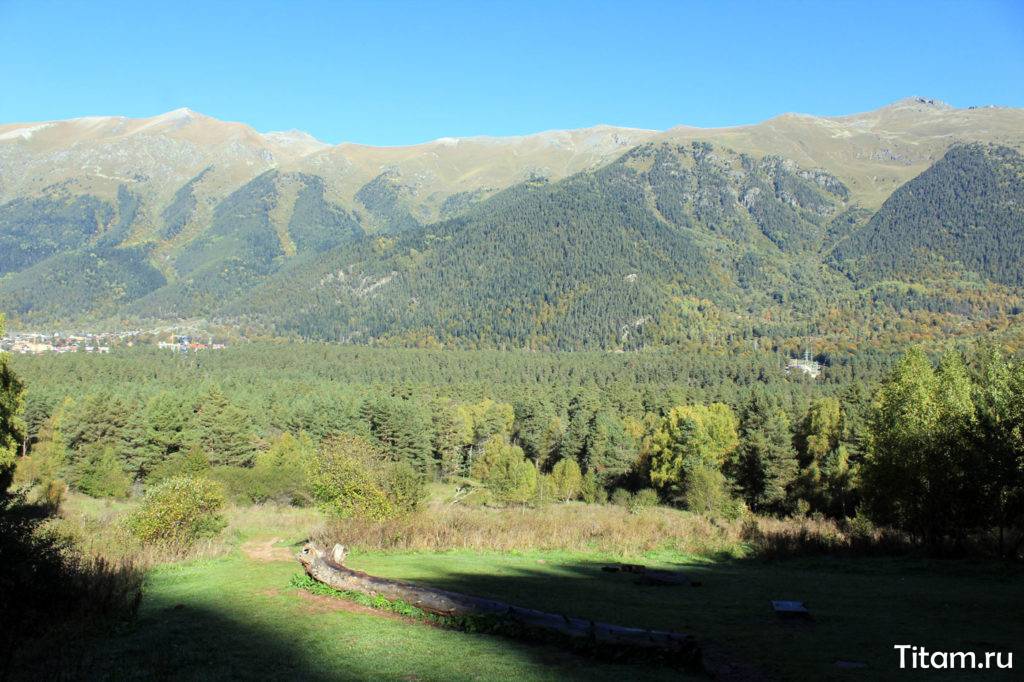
(330, 570)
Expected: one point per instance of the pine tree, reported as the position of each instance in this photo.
(766, 462)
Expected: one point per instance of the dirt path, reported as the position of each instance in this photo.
(264, 551)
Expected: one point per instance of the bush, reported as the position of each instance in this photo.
(642, 499)
(621, 497)
(264, 484)
(281, 474)
(177, 513)
(707, 492)
(512, 479)
(191, 462)
(351, 478)
(567, 479)
(405, 486)
(51, 493)
(591, 489)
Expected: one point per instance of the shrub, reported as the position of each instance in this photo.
(52, 493)
(192, 462)
(405, 486)
(591, 489)
(512, 479)
(707, 492)
(283, 469)
(642, 499)
(621, 497)
(567, 479)
(264, 484)
(177, 513)
(351, 478)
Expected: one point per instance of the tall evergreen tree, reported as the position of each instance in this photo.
(766, 463)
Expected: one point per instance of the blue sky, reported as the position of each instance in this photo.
(396, 73)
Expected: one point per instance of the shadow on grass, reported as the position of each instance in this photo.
(187, 629)
(169, 642)
(859, 608)
(183, 633)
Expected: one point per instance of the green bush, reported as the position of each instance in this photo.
(708, 493)
(351, 478)
(591, 489)
(177, 513)
(240, 485)
(512, 479)
(567, 479)
(621, 497)
(405, 486)
(642, 499)
(281, 473)
(192, 462)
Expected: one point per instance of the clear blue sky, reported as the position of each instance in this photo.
(396, 73)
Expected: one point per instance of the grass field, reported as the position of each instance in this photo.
(234, 615)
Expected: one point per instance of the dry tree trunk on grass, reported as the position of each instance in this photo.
(330, 570)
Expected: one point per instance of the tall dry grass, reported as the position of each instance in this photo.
(771, 538)
(575, 527)
(94, 526)
(614, 530)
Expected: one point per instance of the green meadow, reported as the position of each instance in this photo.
(234, 614)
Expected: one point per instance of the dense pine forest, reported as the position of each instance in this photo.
(707, 432)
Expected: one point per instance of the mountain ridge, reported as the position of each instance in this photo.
(185, 215)
(919, 129)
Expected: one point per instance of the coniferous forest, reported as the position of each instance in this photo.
(705, 432)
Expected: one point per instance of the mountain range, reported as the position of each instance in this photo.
(603, 237)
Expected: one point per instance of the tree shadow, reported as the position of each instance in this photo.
(169, 642)
(176, 638)
(858, 608)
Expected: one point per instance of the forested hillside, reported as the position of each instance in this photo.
(689, 245)
(962, 218)
(651, 249)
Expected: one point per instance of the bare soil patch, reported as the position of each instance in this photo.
(265, 551)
